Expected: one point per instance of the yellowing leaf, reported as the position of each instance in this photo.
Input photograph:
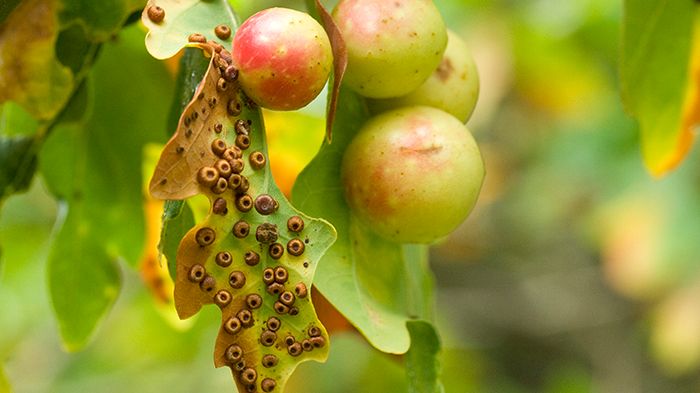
(246, 256)
(655, 62)
(29, 72)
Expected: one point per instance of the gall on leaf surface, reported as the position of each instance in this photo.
(227, 258)
(182, 18)
(659, 78)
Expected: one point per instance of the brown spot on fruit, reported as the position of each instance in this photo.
(445, 70)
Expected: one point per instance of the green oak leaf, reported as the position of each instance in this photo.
(365, 277)
(655, 75)
(244, 256)
(183, 18)
(94, 164)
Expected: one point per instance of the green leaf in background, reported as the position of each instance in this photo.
(17, 148)
(17, 164)
(4, 383)
(365, 277)
(95, 166)
(27, 40)
(183, 17)
(100, 21)
(84, 279)
(422, 365)
(655, 75)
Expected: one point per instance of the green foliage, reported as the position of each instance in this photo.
(654, 68)
(94, 165)
(362, 275)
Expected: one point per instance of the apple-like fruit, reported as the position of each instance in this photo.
(413, 174)
(283, 58)
(393, 45)
(453, 86)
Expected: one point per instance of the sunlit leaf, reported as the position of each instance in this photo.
(222, 129)
(368, 279)
(182, 18)
(422, 365)
(29, 72)
(94, 165)
(655, 72)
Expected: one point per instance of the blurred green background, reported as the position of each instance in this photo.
(576, 272)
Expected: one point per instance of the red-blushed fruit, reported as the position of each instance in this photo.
(413, 174)
(453, 86)
(393, 45)
(283, 57)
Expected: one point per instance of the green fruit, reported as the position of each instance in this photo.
(453, 86)
(393, 46)
(412, 174)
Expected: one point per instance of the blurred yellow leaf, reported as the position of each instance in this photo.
(29, 72)
(655, 71)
